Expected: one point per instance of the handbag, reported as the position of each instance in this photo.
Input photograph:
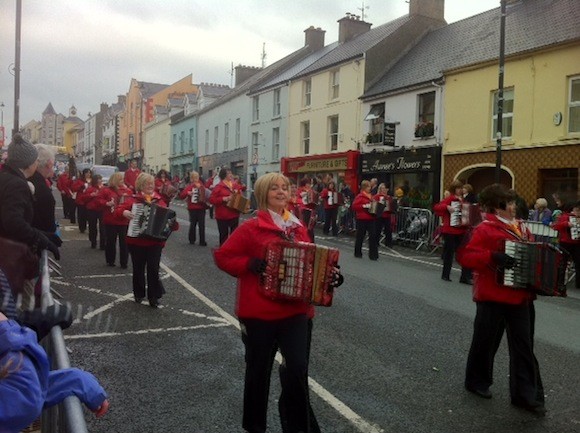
(18, 262)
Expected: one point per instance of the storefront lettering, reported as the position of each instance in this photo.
(406, 161)
(319, 165)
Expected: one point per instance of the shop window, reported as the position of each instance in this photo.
(333, 132)
(305, 134)
(574, 106)
(507, 116)
(562, 182)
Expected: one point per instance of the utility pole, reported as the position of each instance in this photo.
(500, 93)
(17, 68)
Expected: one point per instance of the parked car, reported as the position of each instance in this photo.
(104, 170)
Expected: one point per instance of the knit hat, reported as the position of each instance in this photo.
(21, 153)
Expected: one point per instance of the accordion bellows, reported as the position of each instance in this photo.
(299, 271)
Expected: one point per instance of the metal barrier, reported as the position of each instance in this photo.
(68, 416)
(414, 226)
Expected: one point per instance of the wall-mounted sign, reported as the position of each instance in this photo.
(389, 133)
(427, 159)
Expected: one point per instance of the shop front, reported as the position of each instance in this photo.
(416, 171)
(342, 167)
(235, 160)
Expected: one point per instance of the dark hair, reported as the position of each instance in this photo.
(454, 185)
(162, 171)
(305, 181)
(223, 173)
(496, 196)
(95, 179)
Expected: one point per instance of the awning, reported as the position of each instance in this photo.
(376, 112)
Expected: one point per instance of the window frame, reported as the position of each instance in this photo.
(507, 116)
(333, 135)
(307, 92)
(226, 136)
(276, 103)
(275, 144)
(216, 133)
(573, 105)
(305, 136)
(334, 84)
(256, 108)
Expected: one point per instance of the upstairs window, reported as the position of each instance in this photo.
(190, 139)
(181, 141)
(226, 136)
(255, 108)
(305, 134)
(215, 138)
(334, 84)
(238, 128)
(306, 93)
(276, 108)
(574, 106)
(207, 141)
(507, 116)
(333, 132)
(275, 144)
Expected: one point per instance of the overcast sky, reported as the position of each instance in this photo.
(85, 52)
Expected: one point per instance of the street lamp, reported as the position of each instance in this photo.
(500, 93)
(2, 135)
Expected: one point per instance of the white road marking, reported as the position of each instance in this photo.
(144, 331)
(356, 420)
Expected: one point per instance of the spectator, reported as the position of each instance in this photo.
(468, 194)
(374, 186)
(559, 209)
(568, 227)
(541, 212)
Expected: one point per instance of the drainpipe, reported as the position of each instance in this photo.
(439, 112)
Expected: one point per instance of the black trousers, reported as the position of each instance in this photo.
(384, 226)
(450, 245)
(362, 228)
(72, 210)
(196, 217)
(226, 227)
(574, 250)
(330, 221)
(518, 321)
(146, 258)
(95, 221)
(82, 217)
(261, 338)
(114, 232)
(65, 205)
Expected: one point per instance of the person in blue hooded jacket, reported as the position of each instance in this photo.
(27, 386)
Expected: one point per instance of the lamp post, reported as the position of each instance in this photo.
(2, 136)
(500, 93)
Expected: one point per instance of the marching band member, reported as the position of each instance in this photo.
(306, 206)
(452, 235)
(131, 175)
(164, 187)
(570, 243)
(365, 222)
(79, 188)
(226, 217)
(145, 253)
(268, 325)
(384, 220)
(500, 307)
(94, 212)
(115, 225)
(194, 193)
(330, 208)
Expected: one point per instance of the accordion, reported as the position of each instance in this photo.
(470, 214)
(151, 221)
(309, 197)
(574, 228)
(540, 268)
(376, 208)
(455, 217)
(239, 202)
(197, 196)
(334, 198)
(308, 217)
(168, 190)
(299, 271)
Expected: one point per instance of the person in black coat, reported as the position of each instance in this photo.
(44, 202)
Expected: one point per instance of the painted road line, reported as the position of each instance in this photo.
(144, 331)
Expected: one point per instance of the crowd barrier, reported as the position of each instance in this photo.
(68, 416)
(414, 226)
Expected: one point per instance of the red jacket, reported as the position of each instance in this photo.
(159, 184)
(91, 199)
(563, 227)
(300, 201)
(324, 197)
(105, 196)
(79, 187)
(441, 210)
(127, 204)
(222, 211)
(130, 177)
(63, 184)
(389, 203)
(487, 238)
(201, 193)
(358, 206)
(249, 241)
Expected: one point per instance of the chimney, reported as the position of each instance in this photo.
(245, 72)
(121, 99)
(314, 38)
(428, 8)
(350, 27)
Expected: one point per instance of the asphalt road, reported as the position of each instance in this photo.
(388, 356)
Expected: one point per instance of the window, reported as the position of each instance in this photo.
(174, 143)
(376, 125)
(426, 107)
(255, 108)
(226, 136)
(507, 116)
(334, 84)
(574, 104)
(275, 144)
(181, 141)
(190, 139)
(255, 144)
(276, 108)
(307, 92)
(333, 132)
(305, 134)
(207, 141)
(237, 133)
(215, 139)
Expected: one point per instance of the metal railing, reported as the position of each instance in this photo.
(414, 226)
(66, 417)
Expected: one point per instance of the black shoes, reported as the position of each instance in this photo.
(203, 244)
(154, 303)
(138, 300)
(537, 409)
(483, 393)
(358, 256)
(466, 281)
(446, 278)
(112, 265)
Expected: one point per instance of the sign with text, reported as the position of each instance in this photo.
(389, 133)
(402, 161)
(312, 165)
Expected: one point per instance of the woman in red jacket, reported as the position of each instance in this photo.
(365, 222)
(452, 234)
(79, 187)
(194, 193)
(384, 220)
(500, 307)
(564, 225)
(331, 199)
(145, 253)
(95, 212)
(109, 199)
(266, 324)
(226, 217)
(164, 187)
(307, 200)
